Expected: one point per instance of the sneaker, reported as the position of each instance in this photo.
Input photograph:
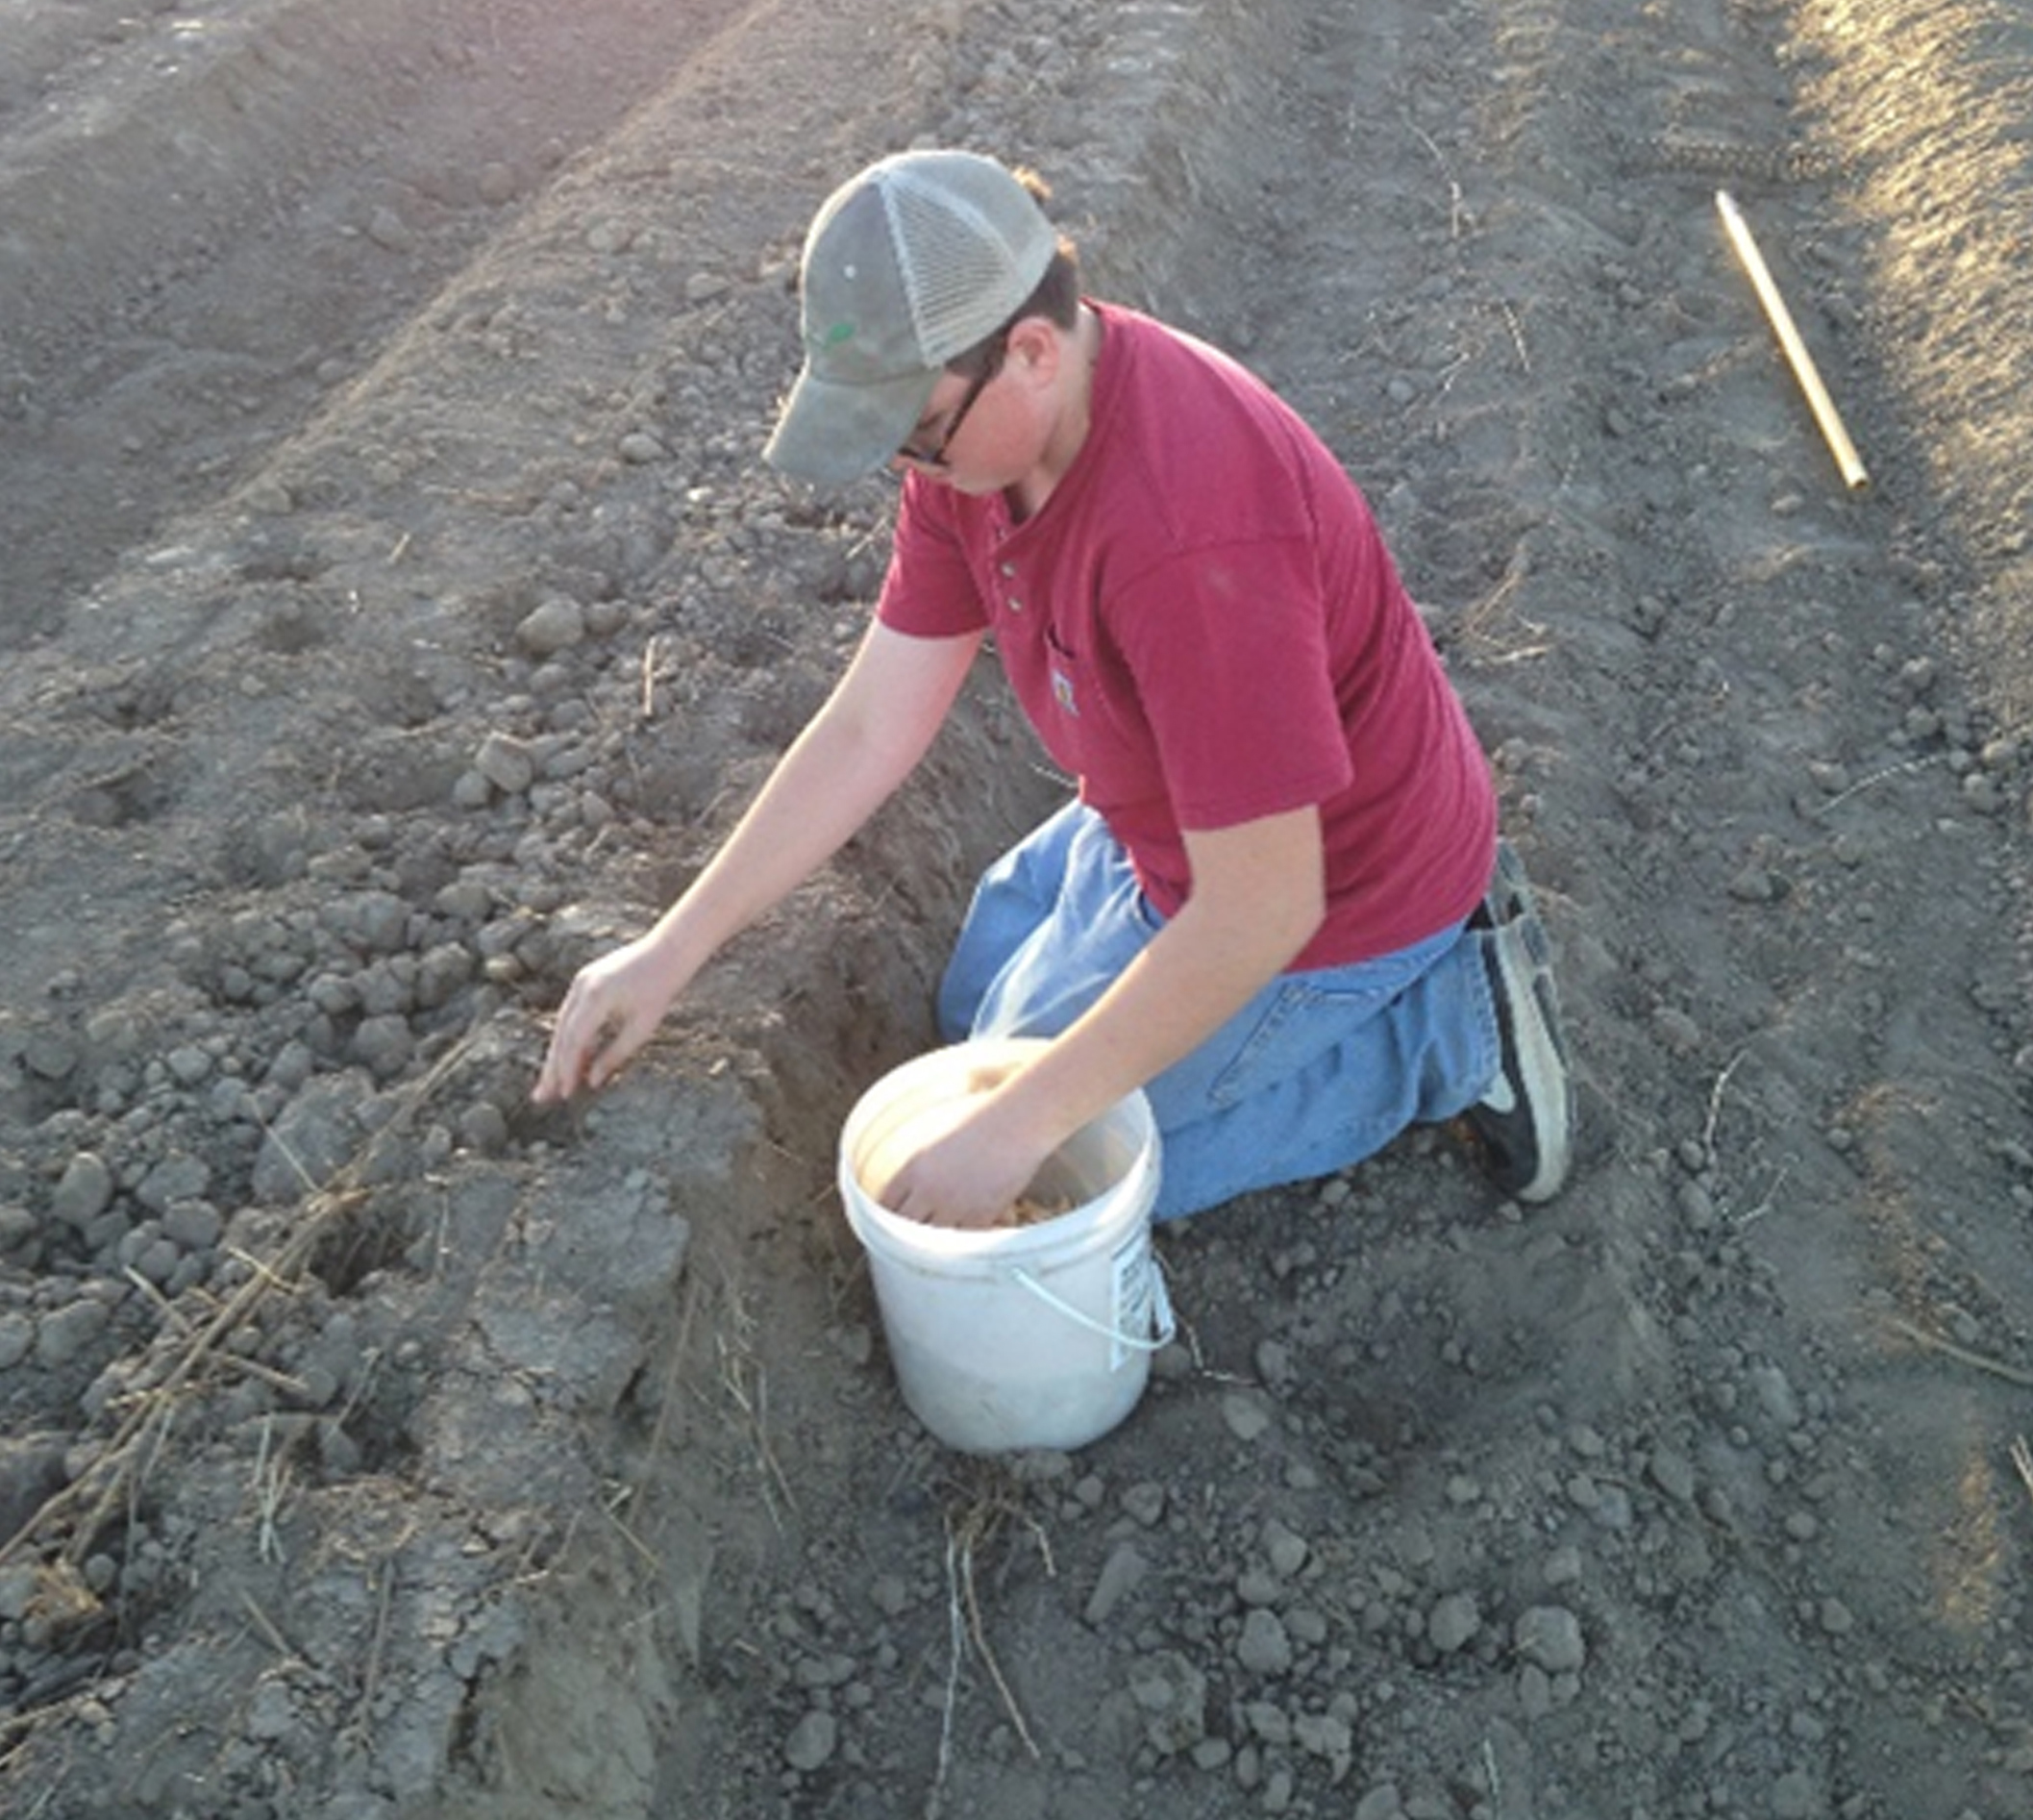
(1509, 896)
(1526, 1121)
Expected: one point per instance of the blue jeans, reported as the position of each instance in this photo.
(1320, 1069)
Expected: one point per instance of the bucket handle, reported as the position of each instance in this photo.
(1160, 1308)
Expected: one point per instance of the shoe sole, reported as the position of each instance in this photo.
(1523, 956)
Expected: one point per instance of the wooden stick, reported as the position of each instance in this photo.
(1825, 415)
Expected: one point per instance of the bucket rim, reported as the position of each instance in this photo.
(994, 1243)
(1125, 1203)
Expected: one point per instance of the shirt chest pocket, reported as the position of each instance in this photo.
(1069, 684)
(1091, 726)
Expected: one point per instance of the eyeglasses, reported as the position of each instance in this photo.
(936, 456)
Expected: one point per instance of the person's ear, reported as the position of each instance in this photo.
(1034, 345)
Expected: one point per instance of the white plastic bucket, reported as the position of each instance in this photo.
(1035, 1335)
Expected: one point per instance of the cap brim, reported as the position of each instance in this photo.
(831, 433)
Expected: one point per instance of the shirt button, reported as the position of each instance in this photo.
(1008, 569)
(1015, 605)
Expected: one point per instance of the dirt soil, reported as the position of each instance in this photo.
(395, 610)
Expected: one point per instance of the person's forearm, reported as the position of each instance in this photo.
(823, 790)
(1197, 973)
(1259, 898)
(873, 728)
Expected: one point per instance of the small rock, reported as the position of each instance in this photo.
(1696, 1205)
(65, 1333)
(812, 1741)
(466, 901)
(835, 1670)
(1381, 1802)
(890, 1595)
(384, 1045)
(557, 625)
(483, 1128)
(1273, 1363)
(1040, 1465)
(17, 1590)
(154, 1257)
(1259, 1586)
(1122, 1573)
(1613, 1507)
(1982, 794)
(1172, 1694)
(311, 1138)
(190, 1063)
(388, 230)
(1673, 1474)
(604, 620)
(1753, 884)
(1286, 1551)
(1453, 1623)
(1144, 1503)
(378, 920)
(1324, 1735)
(49, 1053)
(194, 1225)
(1550, 1635)
(1269, 1723)
(506, 763)
(1775, 1392)
(178, 1176)
(85, 1191)
(1247, 1416)
(1793, 1797)
(1917, 675)
(1265, 1647)
(271, 1712)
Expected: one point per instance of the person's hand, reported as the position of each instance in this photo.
(614, 1005)
(971, 1177)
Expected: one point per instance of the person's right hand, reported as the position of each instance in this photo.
(613, 1006)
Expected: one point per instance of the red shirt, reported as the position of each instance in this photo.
(1204, 627)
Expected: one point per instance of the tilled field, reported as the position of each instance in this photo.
(396, 611)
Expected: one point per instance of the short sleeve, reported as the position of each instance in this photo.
(930, 590)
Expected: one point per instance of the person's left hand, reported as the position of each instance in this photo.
(970, 1177)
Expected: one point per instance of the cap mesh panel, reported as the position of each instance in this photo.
(960, 273)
